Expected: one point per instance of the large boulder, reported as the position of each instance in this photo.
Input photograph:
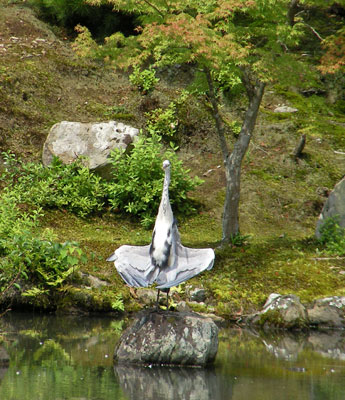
(333, 207)
(94, 141)
(168, 338)
(281, 312)
(328, 312)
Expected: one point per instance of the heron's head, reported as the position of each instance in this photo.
(166, 164)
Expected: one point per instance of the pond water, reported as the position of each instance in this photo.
(60, 358)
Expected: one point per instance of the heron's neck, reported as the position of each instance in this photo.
(165, 203)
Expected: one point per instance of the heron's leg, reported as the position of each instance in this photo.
(168, 290)
(157, 301)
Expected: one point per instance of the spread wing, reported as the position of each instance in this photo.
(134, 265)
(189, 263)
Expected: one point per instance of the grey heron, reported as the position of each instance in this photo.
(165, 261)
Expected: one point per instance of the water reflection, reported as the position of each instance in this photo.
(284, 365)
(71, 358)
(288, 346)
(173, 383)
(59, 358)
(4, 362)
(331, 345)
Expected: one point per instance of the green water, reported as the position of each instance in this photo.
(60, 358)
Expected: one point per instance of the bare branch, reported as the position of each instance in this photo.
(314, 31)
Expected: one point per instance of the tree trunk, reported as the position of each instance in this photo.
(292, 11)
(233, 161)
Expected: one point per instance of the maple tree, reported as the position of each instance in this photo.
(231, 42)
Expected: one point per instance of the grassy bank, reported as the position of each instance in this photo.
(43, 82)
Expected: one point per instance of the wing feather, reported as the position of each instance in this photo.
(190, 262)
(134, 265)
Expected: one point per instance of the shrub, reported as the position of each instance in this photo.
(144, 80)
(27, 257)
(14, 220)
(332, 236)
(44, 263)
(138, 178)
(72, 187)
(163, 123)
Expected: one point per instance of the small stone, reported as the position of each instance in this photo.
(198, 295)
(146, 296)
(208, 172)
(182, 306)
(285, 109)
(216, 318)
(93, 281)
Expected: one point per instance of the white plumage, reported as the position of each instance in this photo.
(165, 261)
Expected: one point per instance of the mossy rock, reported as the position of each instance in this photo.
(281, 312)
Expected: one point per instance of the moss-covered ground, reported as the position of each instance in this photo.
(42, 82)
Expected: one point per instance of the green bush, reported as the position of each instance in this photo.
(332, 236)
(144, 80)
(163, 122)
(25, 256)
(42, 262)
(138, 179)
(14, 220)
(135, 188)
(72, 187)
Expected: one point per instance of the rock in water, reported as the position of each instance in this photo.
(328, 312)
(168, 338)
(283, 312)
(70, 140)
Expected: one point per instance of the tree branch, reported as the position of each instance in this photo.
(216, 115)
(247, 83)
(154, 7)
(314, 31)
